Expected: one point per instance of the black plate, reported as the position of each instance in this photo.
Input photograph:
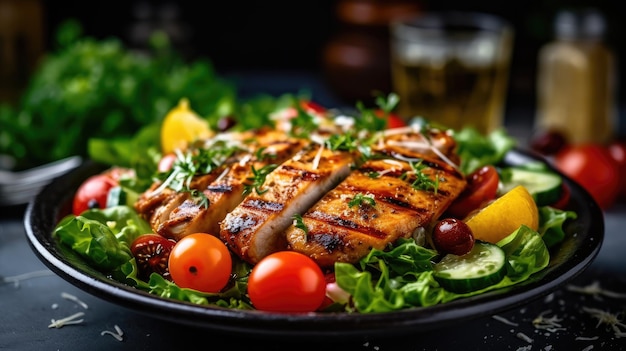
(581, 245)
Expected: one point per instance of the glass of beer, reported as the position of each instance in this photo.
(452, 68)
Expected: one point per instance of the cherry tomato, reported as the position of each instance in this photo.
(482, 186)
(92, 193)
(200, 261)
(287, 281)
(591, 166)
(166, 163)
(152, 252)
(393, 120)
(617, 150)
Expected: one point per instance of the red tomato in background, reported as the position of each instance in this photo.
(200, 261)
(591, 166)
(617, 149)
(93, 193)
(287, 281)
(482, 186)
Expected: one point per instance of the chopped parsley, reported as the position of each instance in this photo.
(422, 181)
(193, 163)
(361, 199)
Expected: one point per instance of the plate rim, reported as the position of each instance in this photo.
(39, 223)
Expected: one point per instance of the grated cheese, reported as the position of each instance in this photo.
(525, 337)
(16, 279)
(585, 338)
(595, 290)
(118, 334)
(75, 299)
(612, 320)
(504, 320)
(551, 324)
(66, 321)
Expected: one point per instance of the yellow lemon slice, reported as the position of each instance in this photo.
(181, 126)
(504, 215)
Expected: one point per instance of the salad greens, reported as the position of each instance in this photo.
(88, 88)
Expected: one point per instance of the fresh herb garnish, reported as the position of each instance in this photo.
(361, 199)
(261, 155)
(342, 142)
(298, 222)
(303, 124)
(372, 120)
(193, 163)
(258, 179)
(422, 181)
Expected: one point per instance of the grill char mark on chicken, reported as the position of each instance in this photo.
(338, 231)
(255, 228)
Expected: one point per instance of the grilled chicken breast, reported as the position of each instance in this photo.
(269, 149)
(382, 201)
(255, 228)
(164, 207)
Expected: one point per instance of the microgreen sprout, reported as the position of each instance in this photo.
(298, 222)
(258, 179)
(422, 181)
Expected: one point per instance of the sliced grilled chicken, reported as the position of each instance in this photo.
(156, 204)
(269, 149)
(255, 228)
(382, 201)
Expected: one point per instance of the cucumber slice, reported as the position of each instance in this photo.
(483, 266)
(543, 184)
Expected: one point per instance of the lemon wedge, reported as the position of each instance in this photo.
(181, 126)
(504, 215)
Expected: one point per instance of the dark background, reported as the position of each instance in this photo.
(292, 35)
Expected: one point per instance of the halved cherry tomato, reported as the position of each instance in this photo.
(200, 261)
(287, 281)
(92, 193)
(482, 186)
(591, 166)
(152, 252)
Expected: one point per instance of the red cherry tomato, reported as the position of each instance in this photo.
(92, 193)
(617, 150)
(201, 262)
(166, 163)
(591, 166)
(482, 186)
(287, 281)
(152, 252)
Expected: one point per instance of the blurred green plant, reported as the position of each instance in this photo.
(88, 88)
